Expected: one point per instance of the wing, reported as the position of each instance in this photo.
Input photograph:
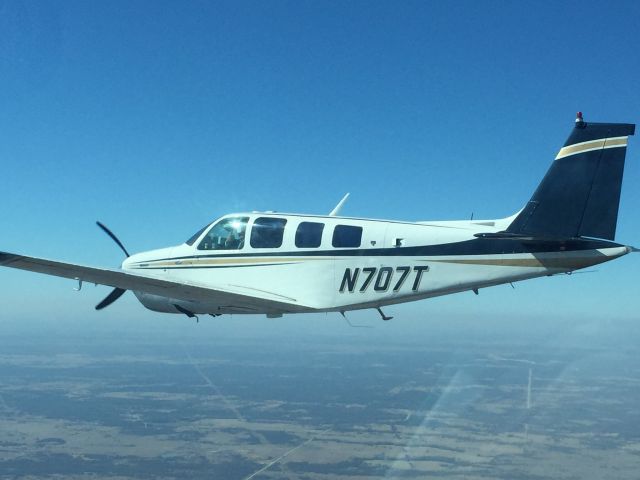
(258, 300)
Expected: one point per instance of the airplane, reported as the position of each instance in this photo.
(278, 263)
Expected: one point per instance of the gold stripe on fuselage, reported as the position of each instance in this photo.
(210, 261)
(536, 262)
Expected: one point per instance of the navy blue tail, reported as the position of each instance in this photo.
(580, 194)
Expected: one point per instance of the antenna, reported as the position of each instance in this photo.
(338, 207)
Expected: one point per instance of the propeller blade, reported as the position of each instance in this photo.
(114, 238)
(109, 299)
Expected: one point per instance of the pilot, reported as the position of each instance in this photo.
(234, 243)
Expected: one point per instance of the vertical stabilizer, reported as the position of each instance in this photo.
(580, 194)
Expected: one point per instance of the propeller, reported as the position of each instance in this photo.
(113, 237)
(116, 293)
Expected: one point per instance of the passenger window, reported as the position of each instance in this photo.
(227, 234)
(309, 235)
(267, 232)
(347, 236)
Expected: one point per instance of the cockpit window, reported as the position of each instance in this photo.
(227, 234)
(267, 232)
(196, 235)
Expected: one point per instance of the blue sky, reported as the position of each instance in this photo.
(157, 117)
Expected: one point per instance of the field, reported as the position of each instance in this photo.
(341, 403)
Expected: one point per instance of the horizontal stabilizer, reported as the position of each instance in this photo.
(517, 236)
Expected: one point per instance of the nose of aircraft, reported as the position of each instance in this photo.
(144, 259)
(127, 262)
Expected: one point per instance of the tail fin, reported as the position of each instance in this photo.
(580, 194)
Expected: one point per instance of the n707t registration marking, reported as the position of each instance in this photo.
(385, 277)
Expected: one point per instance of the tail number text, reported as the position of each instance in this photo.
(381, 278)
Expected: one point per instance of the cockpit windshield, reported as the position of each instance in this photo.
(196, 235)
(227, 234)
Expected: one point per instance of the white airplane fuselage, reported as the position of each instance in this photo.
(395, 262)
